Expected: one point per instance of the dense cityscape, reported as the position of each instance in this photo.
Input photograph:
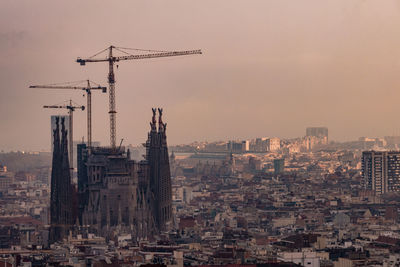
(214, 133)
(278, 202)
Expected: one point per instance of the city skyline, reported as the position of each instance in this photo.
(231, 133)
(328, 65)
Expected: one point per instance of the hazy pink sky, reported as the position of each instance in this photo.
(269, 68)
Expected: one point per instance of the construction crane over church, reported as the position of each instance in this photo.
(77, 86)
(112, 59)
(71, 108)
(115, 194)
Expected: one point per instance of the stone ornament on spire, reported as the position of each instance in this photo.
(160, 177)
(61, 213)
(161, 125)
(153, 120)
(160, 110)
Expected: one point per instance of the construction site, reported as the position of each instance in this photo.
(114, 194)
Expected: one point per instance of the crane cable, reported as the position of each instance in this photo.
(98, 53)
(127, 48)
(74, 83)
(144, 50)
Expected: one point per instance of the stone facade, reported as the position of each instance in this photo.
(61, 198)
(121, 195)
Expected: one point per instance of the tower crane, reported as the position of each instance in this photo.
(71, 108)
(111, 59)
(77, 86)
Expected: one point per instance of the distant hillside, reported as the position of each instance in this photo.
(18, 161)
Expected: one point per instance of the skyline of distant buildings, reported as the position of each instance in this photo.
(255, 145)
(301, 195)
(321, 132)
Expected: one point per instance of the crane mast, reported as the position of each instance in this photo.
(111, 59)
(88, 89)
(89, 115)
(71, 108)
(112, 111)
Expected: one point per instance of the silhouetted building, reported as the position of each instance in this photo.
(319, 132)
(238, 147)
(273, 144)
(110, 196)
(120, 195)
(61, 200)
(254, 164)
(392, 142)
(82, 156)
(381, 171)
(260, 145)
(160, 176)
(391, 214)
(53, 126)
(6, 178)
(279, 166)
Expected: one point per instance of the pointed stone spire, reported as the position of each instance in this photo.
(55, 184)
(65, 188)
(160, 122)
(153, 121)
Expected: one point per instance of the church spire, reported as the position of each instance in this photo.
(161, 125)
(153, 120)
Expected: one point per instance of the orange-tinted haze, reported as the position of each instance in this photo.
(269, 68)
